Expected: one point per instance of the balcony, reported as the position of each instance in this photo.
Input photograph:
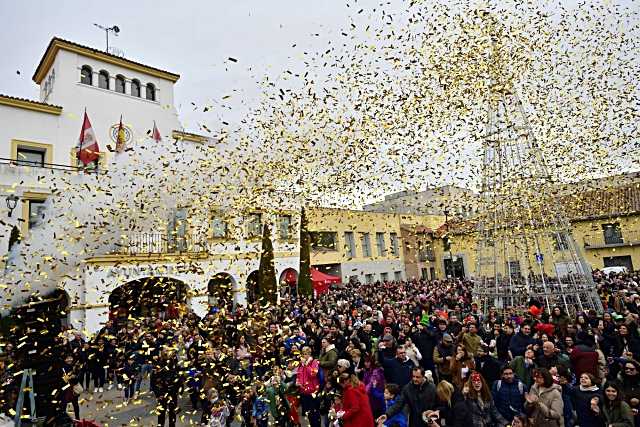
(598, 241)
(43, 165)
(160, 243)
(426, 255)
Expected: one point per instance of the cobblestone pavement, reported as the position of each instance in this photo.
(108, 409)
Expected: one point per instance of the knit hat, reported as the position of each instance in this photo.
(344, 363)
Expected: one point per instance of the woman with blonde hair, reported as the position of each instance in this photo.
(446, 398)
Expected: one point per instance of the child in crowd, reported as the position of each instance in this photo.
(391, 392)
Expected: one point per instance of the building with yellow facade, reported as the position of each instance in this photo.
(605, 224)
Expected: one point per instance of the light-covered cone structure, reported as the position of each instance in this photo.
(525, 248)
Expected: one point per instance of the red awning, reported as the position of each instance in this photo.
(322, 281)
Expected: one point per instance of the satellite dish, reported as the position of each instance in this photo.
(116, 29)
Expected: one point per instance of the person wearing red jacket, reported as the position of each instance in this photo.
(356, 411)
(308, 385)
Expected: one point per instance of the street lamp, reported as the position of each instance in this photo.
(12, 202)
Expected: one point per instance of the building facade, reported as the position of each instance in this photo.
(605, 224)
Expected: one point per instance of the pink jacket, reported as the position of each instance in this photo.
(307, 377)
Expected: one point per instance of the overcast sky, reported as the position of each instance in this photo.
(191, 38)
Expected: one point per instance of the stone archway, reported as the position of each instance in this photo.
(150, 296)
(220, 289)
(253, 287)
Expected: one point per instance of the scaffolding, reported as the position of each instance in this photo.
(526, 250)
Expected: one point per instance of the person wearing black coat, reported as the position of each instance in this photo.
(425, 339)
(487, 365)
(166, 384)
(419, 396)
(503, 339)
(397, 370)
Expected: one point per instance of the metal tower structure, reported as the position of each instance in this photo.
(525, 248)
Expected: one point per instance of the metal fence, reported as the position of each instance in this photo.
(598, 240)
(160, 243)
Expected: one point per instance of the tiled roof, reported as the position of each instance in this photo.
(58, 43)
(29, 104)
(584, 205)
(607, 202)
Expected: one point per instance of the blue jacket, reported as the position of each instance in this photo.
(398, 420)
(260, 408)
(567, 411)
(509, 398)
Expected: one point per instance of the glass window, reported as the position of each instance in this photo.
(561, 241)
(394, 244)
(324, 240)
(177, 228)
(380, 243)
(30, 157)
(218, 226)
(365, 240)
(86, 75)
(284, 227)
(120, 84)
(36, 212)
(254, 225)
(350, 243)
(368, 278)
(135, 88)
(397, 276)
(384, 277)
(612, 234)
(103, 80)
(151, 92)
(513, 269)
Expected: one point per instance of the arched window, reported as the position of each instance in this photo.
(151, 92)
(86, 75)
(135, 88)
(103, 80)
(120, 83)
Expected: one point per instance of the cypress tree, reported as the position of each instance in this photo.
(305, 286)
(268, 285)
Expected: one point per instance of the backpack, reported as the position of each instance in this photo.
(520, 386)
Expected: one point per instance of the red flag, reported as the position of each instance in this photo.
(88, 150)
(156, 133)
(120, 137)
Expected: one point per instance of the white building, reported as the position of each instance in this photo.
(39, 149)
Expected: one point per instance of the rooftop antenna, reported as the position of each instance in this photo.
(115, 30)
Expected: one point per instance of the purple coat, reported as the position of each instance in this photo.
(376, 394)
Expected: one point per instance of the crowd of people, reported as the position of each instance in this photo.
(414, 353)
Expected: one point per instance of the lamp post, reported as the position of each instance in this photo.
(446, 223)
(12, 202)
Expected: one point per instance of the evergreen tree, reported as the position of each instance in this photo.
(267, 282)
(305, 287)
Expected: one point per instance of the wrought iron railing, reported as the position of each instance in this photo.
(44, 165)
(160, 243)
(426, 255)
(598, 240)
